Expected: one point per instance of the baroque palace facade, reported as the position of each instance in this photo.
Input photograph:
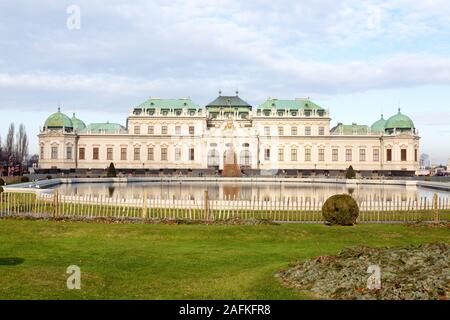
(287, 135)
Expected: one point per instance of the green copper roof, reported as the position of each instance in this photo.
(379, 125)
(399, 121)
(228, 101)
(168, 104)
(105, 127)
(290, 104)
(77, 123)
(350, 129)
(58, 120)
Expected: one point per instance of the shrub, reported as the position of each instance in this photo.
(350, 173)
(24, 179)
(340, 209)
(49, 177)
(111, 171)
(2, 182)
(1, 189)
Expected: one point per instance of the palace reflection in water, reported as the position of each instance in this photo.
(245, 191)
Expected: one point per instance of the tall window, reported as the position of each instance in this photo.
(321, 154)
(191, 154)
(69, 153)
(151, 130)
(321, 131)
(164, 154)
(348, 154)
(280, 154)
(123, 153)
(95, 153)
(191, 130)
(267, 154)
(109, 153)
(335, 154)
(137, 153)
(416, 157)
(376, 155)
(82, 153)
(178, 130)
(403, 154)
(150, 154)
(177, 154)
(164, 129)
(294, 154)
(307, 131)
(293, 131)
(308, 154)
(137, 129)
(389, 155)
(54, 153)
(280, 131)
(267, 131)
(362, 155)
(42, 152)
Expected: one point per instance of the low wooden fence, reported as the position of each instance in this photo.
(277, 209)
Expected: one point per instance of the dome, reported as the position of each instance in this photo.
(399, 121)
(77, 123)
(58, 120)
(379, 125)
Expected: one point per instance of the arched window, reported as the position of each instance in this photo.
(213, 158)
(245, 158)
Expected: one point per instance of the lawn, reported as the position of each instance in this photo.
(143, 261)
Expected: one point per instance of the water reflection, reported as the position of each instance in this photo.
(247, 191)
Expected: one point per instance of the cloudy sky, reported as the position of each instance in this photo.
(357, 58)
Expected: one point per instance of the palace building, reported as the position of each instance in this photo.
(173, 135)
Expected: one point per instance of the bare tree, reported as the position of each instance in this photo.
(21, 147)
(9, 147)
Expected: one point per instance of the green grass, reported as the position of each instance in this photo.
(144, 261)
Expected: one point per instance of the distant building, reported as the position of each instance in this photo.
(425, 161)
(277, 135)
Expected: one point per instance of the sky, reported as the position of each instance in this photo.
(356, 58)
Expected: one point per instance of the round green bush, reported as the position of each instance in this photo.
(340, 209)
(1, 189)
(49, 177)
(24, 179)
(2, 182)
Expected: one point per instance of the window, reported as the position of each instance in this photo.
(95, 153)
(191, 130)
(389, 155)
(123, 153)
(137, 153)
(280, 154)
(294, 154)
(321, 154)
(191, 154)
(335, 154)
(376, 155)
(267, 154)
(321, 131)
(267, 131)
(307, 154)
(293, 131)
(54, 153)
(416, 157)
(137, 129)
(164, 129)
(164, 154)
(109, 153)
(69, 153)
(307, 131)
(177, 154)
(280, 131)
(178, 130)
(362, 155)
(82, 154)
(150, 154)
(403, 154)
(42, 152)
(151, 130)
(348, 154)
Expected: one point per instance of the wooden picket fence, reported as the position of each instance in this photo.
(290, 209)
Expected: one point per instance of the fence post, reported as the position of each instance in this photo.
(55, 203)
(435, 208)
(144, 206)
(206, 208)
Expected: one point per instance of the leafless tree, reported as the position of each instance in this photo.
(21, 147)
(9, 147)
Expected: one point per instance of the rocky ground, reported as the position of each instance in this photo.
(411, 273)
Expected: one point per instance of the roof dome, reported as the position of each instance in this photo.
(58, 120)
(400, 121)
(77, 123)
(379, 125)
